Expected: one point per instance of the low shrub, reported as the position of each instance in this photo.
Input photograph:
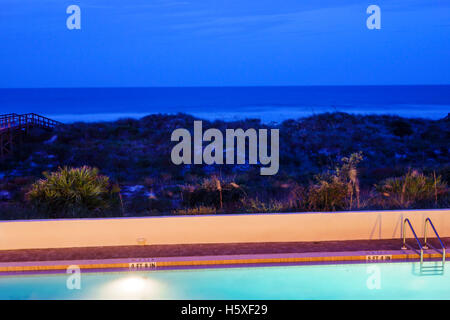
(412, 189)
(73, 192)
(258, 206)
(328, 195)
(337, 190)
(212, 192)
(401, 128)
(196, 211)
(15, 211)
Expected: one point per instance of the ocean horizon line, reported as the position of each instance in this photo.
(232, 103)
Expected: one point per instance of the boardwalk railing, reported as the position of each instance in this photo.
(20, 121)
(13, 125)
(7, 120)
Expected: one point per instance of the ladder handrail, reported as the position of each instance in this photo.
(428, 220)
(415, 236)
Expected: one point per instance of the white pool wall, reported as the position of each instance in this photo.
(237, 228)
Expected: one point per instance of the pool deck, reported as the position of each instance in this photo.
(149, 257)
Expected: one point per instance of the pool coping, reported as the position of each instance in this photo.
(186, 262)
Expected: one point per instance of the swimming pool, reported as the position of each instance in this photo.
(342, 281)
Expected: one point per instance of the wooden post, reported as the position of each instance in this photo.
(2, 154)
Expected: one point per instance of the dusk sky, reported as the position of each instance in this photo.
(223, 43)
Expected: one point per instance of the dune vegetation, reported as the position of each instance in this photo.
(328, 162)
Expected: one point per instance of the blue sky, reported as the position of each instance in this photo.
(223, 43)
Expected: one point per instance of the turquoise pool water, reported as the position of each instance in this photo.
(344, 281)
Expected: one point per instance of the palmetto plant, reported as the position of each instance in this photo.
(412, 188)
(70, 192)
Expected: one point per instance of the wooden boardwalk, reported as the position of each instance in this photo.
(14, 126)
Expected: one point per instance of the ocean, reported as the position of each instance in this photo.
(227, 103)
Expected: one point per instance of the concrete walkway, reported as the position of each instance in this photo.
(198, 250)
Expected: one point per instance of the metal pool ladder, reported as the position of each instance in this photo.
(425, 270)
(428, 221)
(404, 247)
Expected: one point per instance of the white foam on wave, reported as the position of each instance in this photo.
(267, 114)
